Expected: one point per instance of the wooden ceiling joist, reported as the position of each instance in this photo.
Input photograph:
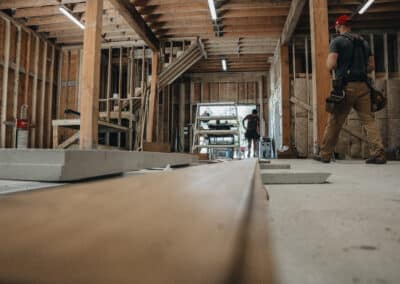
(251, 29)
(136, 22)
(296, 9)
(18, 4)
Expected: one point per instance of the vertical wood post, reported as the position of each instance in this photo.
(261, 102)
(372, 46)
(182, 116)
(171, 94)
(307, 91)
(91, 75)
(152, 99)
(121, 51)
(321, 77)
(191, 111)
(168, 127)
(108, 92)
(79, 78)
(386, 56)
(42, 97)
(171, 52)
(34, 94)
(59, 83)
(50, 102)
(27, 69)
(16, 85)
(131, 94)
(398, 54)
(5, 84)
(285, 91)
(293, 122)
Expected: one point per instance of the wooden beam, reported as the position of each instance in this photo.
(42, 97)
(91, 75)
(69, 141)
(121, 51)
(136, 22)
(16, 85)
(5, 83)
(18, 4)
(27, 68)
(131, 94)
(372, 46)
(79, 77)
(108, 92)
(261, 102)
(285, 93)
(34, 93)
(182, 116)
(50, 102)
(307, 90)
(398, 55)
(292, 19)
(152, 99)
(59, 86)
(320, 79)
(386, 56)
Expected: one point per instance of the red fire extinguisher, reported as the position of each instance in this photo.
(22, 129)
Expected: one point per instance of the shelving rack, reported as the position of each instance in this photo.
(202, 136)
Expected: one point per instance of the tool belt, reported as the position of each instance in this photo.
(336, 96)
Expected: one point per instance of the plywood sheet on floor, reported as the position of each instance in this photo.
(184, 226)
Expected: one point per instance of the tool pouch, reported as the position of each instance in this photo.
(378, 99)
(336, 97)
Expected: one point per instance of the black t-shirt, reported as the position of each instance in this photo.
(252, 122)
(344, 48)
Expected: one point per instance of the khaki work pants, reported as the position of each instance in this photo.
(357, 97)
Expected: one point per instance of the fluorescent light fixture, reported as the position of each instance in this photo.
(71, 17)
(366, 6)
(213, 12)
(224, 67)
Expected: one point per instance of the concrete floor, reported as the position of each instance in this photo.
(346, 231)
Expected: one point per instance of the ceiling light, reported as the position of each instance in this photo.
(213, 12)
(366, 6)
(224, 67)
(67, 13)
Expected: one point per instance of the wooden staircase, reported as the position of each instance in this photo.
(189, 58)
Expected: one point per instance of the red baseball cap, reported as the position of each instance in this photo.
(342, 20)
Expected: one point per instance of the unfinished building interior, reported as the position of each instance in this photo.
(124, 155)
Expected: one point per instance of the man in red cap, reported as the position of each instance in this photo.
(351, 59)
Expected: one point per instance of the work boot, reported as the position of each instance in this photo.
(322, 160)
(378, 160)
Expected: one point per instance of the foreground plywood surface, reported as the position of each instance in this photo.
(205, 224)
